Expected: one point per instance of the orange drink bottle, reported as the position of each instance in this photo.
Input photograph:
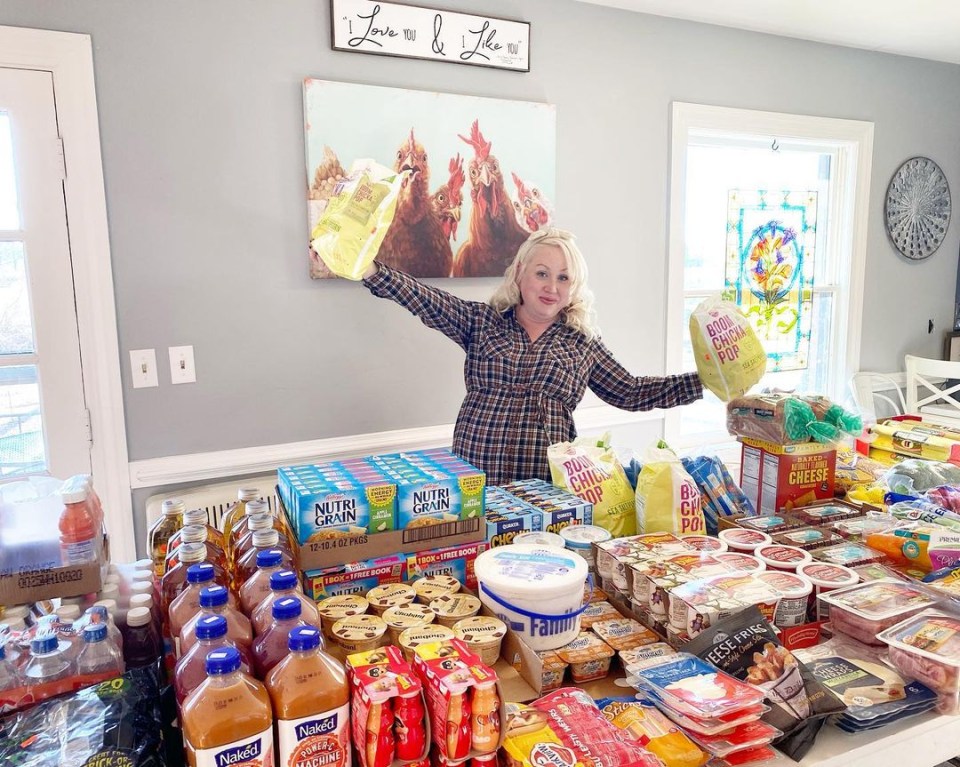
(215, 600)
(485, 735)
(78, 530)
(283, 583)
(257, 586)
(379, 747)
(190, 670)
(260, 537)
(227, 720)
(236, 511)
(158, 538)
(408, 719)
(187, 603)
(196, 534)
(311, 703)
(459, 730)
(270, 647)
(197, 518)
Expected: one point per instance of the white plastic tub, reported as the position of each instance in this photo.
(537, 591)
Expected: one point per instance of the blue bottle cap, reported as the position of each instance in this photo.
(288, 607)
(3, 650)
(304, 638)
(43, 644)
(214, 596)
(95, 632)
(211, 627)
(283, 580)
(226, 660)
(200, 573)
(269, 557)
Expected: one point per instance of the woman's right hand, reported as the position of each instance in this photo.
(370, 270)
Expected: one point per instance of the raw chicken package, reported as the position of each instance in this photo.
(729, 356)
(746, 646)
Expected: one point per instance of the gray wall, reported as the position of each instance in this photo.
(200, 112)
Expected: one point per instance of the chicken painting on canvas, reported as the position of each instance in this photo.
(479, 172)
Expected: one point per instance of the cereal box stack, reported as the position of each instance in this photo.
(559, 507)
(507, 516)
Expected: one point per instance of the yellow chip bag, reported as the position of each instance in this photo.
(589, 469)
(729, 356)
(352, 227)
(668, 500)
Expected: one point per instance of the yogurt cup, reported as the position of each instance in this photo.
(778, 557)
(554, 668)
(411, 639)
(826, 577)
(708, 544)
(382, 598)
(551, 540)
(429, 587)
(359, 633)
(738, 561)
(741, 539)
(794, 604)
(596, 612)
(336, 608)
(451, 608)
(483, 635)
(589, 657)
(624, 633)
(580, 538)
(399, 619)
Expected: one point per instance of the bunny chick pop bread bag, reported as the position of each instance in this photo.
(729, 356)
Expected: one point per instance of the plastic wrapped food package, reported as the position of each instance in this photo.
(864, 610)
(740, 738)
(730, 359)
(641, 721)
(927, 646)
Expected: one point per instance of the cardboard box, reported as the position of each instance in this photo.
(17, 588)
(455, 561)
(560, 508)
(777, 477)
(354, 577)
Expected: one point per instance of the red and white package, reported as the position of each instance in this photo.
(752, 735)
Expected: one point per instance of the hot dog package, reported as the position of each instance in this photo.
(746, 647)
(729, 356)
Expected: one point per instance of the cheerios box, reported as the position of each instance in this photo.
(354, 577)
(455, 561)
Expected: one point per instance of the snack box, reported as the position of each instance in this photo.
(927, 646)
(864, 610)
(455, 561)
(614, 557)
(822, 514)
(776, 477)
(654, 578)
(768, 523)
(848, 554)
(697, 605)
(559, 507)
(436, 496)
(354, 577)
(808, 538)
(690, 686)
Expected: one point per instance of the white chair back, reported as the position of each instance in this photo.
(933, 388)
(877, 396)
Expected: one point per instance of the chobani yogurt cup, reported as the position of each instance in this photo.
(451, 608)
(778, 557)
(739, 539)
(382, 598)
(795, 600)
(411, 639)
(551, 540)
(826, 577)
(335, 608)
(483, 635)
(737, 560)
(705, 543)
(580, 538)
(359, 633)
(399, 619)
(429, 587)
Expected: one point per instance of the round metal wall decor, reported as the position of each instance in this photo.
(917, 208)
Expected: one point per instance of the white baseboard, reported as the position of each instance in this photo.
(223, 464)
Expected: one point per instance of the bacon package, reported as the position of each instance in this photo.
(746, 646)
(566, 729)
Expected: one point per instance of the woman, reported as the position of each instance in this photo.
(531, 354)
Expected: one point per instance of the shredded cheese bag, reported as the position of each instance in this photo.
(729, 356)
(668, 500)
(590, 469)
(352, 227)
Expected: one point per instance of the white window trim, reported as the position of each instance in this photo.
(69, 57)
(856, 137)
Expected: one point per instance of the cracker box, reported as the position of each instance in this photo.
(455, 561)
(777, 477)
(354, 577)
(560, 508)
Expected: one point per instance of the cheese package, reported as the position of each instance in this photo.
(652, 730)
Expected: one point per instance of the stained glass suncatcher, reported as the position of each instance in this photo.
(771, 238)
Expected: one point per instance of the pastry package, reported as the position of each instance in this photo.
(747, 647)
(730, 359)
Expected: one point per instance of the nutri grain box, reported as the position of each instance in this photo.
(354, 577)
(455, 561)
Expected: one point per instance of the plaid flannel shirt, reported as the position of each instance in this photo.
(521, 394)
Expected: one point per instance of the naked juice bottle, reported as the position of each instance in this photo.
(257, 587)
(270, 647)
(214, 600)
(283, 583)
(311, 702)
(261, 540)
(189, 671)
(227, 720)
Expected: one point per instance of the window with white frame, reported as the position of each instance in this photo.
(723, 155)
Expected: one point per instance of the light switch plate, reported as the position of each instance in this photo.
(182, 369)
(143, 368)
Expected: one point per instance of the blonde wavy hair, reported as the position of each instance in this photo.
(579, 312)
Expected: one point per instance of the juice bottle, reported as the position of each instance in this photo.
(175, 579)
(201, 518)
(257, 586)
(486, 718)
(311, 702)
(236, 512)
(189, 671)
(270, 647)
(187, 603)
(214, 601)
(98, 656)
(227, 720)
(408, 730)
(459, 731)
(379, 747)
(171, 520)
(261, 540)
(196, 534)
(78, 531)
(8, 673)
(253, 508)
(283, 583)
(142, 645)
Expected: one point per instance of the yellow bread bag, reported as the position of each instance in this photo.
(352, 227)
(729, 356)
(668, 499)
(589, 469)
